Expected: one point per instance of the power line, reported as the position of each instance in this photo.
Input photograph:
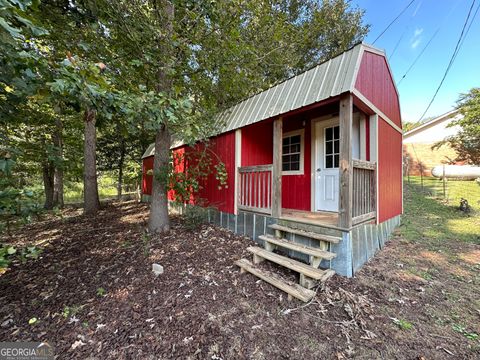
(470, 25)
(398, 43)
(419, 55)
(405, 31)
(429, 41)
(393, 21)
(452, 59)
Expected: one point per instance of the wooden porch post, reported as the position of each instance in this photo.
(238, 163)
(346, 176)
(277, 168)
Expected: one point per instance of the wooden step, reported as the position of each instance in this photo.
(307, 270)
(291, 289)
(308, 250)
(308, 234)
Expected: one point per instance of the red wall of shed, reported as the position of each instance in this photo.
(389, 171)
(147, 164)
(297, 189)
(375, 82)
(223, 199)
(257, 144)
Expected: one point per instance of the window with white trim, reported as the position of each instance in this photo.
(292, 153)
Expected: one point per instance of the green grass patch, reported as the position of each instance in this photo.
(73, 191)
(434, 218)
(403, 324)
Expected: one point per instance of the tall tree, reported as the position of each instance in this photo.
(467, 141)
(58, 199)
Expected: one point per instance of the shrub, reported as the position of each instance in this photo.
(195, 216)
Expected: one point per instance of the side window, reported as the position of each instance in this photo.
(292, 153)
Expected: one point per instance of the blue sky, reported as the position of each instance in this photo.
(411, 32)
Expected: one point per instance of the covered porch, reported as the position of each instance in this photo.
(329, 162)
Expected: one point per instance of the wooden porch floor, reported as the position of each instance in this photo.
(317, 217)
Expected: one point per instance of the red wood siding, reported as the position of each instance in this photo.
(210, 194)
(257, 144)
(223, 199)
(375, 82)
(179, 159)
(389, 171)
(296, 189)
(147, 164)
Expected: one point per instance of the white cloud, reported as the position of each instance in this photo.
(418, 32)
(416, 38)
(416, 9)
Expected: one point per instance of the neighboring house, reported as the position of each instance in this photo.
(418, 142)
(315, 160)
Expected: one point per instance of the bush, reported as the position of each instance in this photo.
(194, 216)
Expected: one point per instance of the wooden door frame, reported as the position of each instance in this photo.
(313, 153)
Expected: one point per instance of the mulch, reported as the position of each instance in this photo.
(94, 295)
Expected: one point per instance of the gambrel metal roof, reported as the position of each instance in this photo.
(328, 79)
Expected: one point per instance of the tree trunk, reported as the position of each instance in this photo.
(90, 188)
(48, 170)
(58, 176)
(159, 220)
(120, 169)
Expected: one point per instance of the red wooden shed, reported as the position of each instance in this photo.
(320, 153)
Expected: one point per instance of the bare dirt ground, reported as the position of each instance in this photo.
(94, 296)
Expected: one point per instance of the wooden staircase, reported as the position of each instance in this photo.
(309, 274)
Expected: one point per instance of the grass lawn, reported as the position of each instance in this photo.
(436, 219)
(73, 191)
(93, 294)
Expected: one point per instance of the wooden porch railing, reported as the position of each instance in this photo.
(255, 188)
(364, 191)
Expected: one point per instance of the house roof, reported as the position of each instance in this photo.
(325, 80)
(431, 122)
(150, 151)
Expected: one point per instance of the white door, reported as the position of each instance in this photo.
(327, 150)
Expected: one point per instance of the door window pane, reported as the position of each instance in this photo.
(328, 147)
(332, 147)
(328, 134)
(329, 161)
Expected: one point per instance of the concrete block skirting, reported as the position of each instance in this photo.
(357, 246)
